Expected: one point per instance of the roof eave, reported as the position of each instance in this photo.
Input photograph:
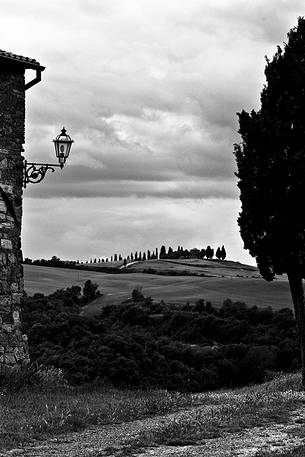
(23, 63)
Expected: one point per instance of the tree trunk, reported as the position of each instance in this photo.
(297, 293)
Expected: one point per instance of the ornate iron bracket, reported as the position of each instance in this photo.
(35, 172)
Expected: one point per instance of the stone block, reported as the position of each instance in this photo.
(11, 257)
(8, 328)
(5, 300)
(19, 353)
(8, 188)
(4, 274)
(3, 162)
(17, 296)
(16, 316)
(21, 285)
(3, 338)
(9, 358)
(7, 317)
(6, 244)
(14, 339)
(15, 287)
(3, 258)
(2, 207)
(9, 224)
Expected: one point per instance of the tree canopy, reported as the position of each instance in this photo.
(271, 164)
(271, 172)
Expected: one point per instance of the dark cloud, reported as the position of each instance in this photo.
(82, 228)
(149, 91)
(197, 189)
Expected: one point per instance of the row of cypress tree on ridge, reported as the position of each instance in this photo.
(179, 253)
(207, 253)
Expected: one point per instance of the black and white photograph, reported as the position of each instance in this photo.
(152, 228)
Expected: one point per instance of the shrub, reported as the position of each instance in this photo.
(143, 343)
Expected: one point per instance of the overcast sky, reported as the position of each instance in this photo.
(149, 91)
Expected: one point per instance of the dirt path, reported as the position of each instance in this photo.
(111, 440)
(274, 439)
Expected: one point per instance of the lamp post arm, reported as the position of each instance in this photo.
(34, 172)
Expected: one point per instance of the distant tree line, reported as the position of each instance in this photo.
(53, 262)
(153, 344)
(179, 253)
(169, 253)
(207, 253)
(73, 264)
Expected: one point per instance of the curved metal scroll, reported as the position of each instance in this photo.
(35, 172)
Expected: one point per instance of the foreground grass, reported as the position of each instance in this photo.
(31, 413)
(224, 412)
(297, 452)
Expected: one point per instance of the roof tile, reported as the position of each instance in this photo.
(29, 63)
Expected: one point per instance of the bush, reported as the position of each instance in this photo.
(90, 292)
(142, 343)
(35, 375)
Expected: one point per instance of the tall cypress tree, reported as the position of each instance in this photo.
(271, 172)
(162, 252)
(218, 253)
(209, 252)
(223, 252)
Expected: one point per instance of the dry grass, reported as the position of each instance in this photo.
(227, 412)
(31, 413)
(177, 289)
(297, 452)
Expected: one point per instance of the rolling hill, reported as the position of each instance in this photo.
(176, 281)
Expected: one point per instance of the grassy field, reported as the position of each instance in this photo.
(196, 266)
(223, 280)
(32, 413)
(36, 413)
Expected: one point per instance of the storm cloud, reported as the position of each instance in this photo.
(149, 91)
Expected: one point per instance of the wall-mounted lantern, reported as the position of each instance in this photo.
(35, 172)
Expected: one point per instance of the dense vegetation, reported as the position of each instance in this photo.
(143, 343)
(271, 163)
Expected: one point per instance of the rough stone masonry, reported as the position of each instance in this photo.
(14, 351)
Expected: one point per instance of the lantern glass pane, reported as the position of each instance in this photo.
(62, 145)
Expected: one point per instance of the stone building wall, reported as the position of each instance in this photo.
(13, 345)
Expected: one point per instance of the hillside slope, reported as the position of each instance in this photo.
(172, 281)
